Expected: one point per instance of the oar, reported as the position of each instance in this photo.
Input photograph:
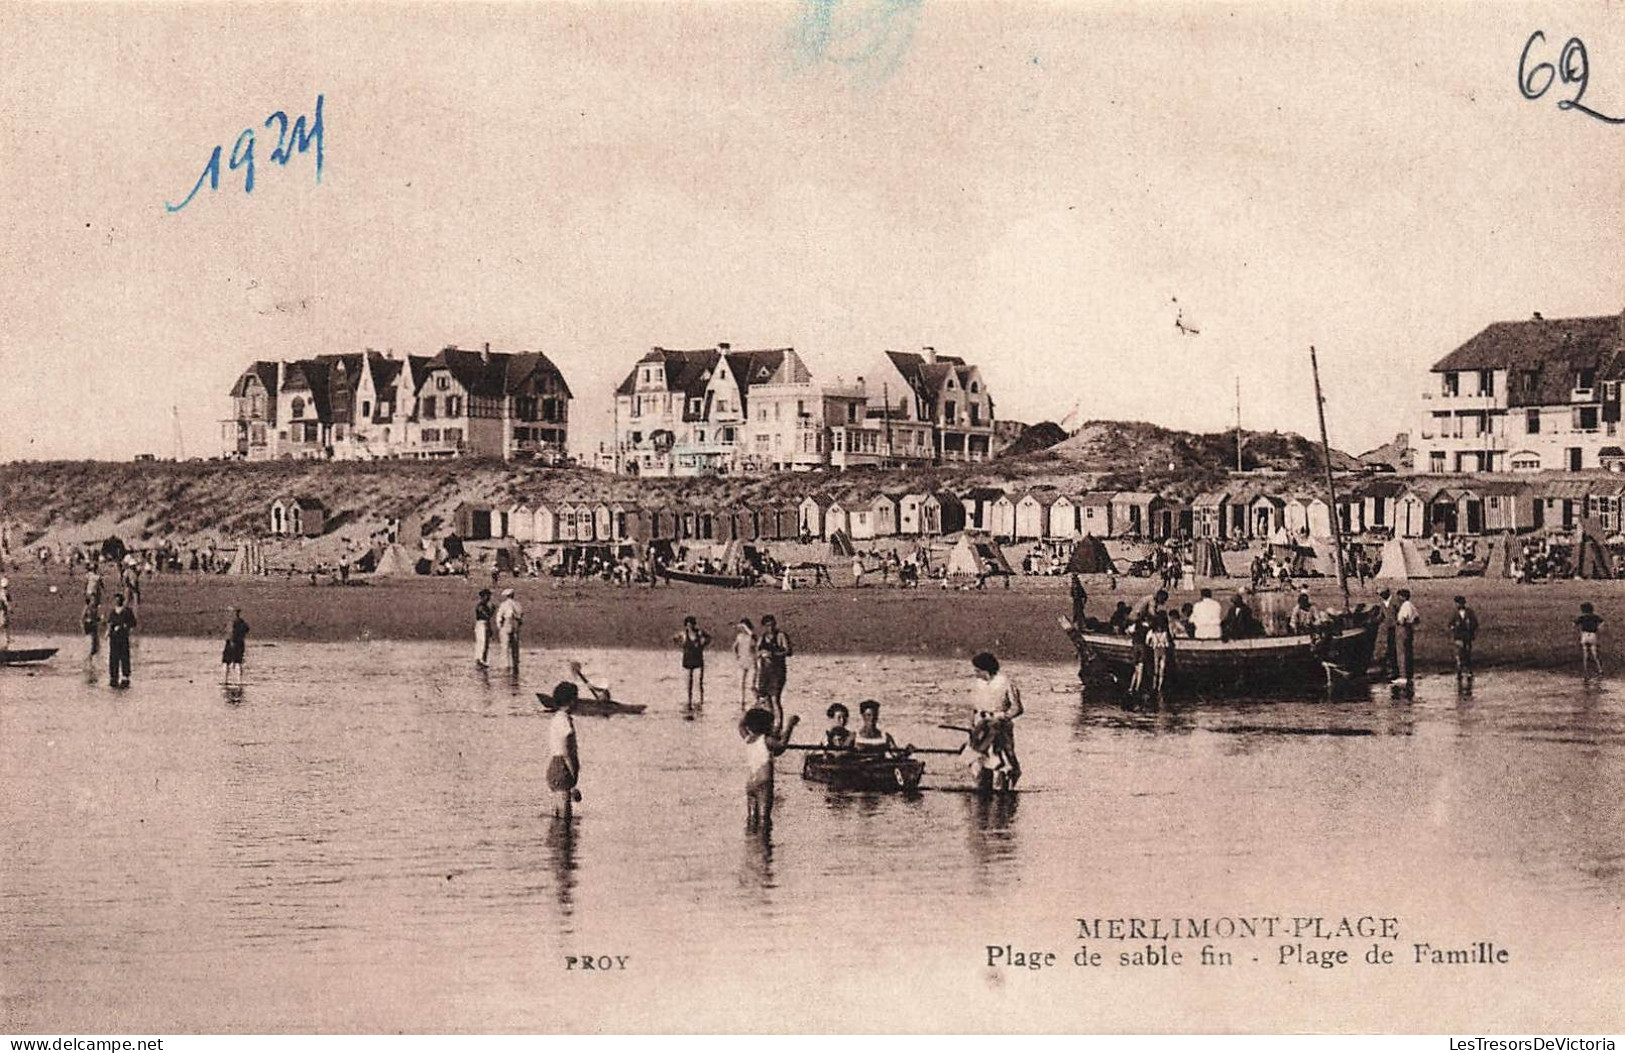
(811, 747)
(954, 727)
(598, 693)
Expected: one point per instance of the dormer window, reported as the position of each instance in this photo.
(298, 408)
(975, 387)
(442, 382)
(694, 405)
(1585, 379)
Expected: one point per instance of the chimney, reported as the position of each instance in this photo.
(930, 354)
(724, 346)
(485, 352)
(1539, 317)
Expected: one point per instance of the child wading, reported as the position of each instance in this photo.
(563, 757)
(763, 741)
(236, 645)
(1589, 622)
(693, 640)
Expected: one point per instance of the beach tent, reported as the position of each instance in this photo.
(250, 558)
(395, 559)
(1590, 551)
(974, 556)
(1089, 556)
(1209, 560)
(509, 557)
(1401, 561)
(840, 544)
(1499, 562)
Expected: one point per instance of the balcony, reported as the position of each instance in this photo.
(1464, 402)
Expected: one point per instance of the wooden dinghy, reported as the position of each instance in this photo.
(27, 655)
(595, 707)
(726, 581)
(879, 772)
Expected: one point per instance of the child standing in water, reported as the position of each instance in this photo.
(1589, 622)
(236, 645)
(839, 736)
(763, 741)
(563, 758)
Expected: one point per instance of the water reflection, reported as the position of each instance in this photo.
(561, 847)
(397, 812)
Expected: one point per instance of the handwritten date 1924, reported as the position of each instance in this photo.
(1573, 67)
(299, 137)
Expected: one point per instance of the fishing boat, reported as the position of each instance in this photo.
(23, 657)
(595, 707)
(694, 577)
(879, 772)
(1257, 665)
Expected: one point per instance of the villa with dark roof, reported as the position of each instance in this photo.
(369, 405)
(1536, 395)
(940, 398)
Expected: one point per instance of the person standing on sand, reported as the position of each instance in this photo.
(509, 617)
(1463, 630)
(745, 658)
(120, 620)
(483, 613)
(1407, 619)
(563, 753)
(1589, 622)
(693, 640)
(93, 587)
(1080, 599)
(236, 645)
(1390, 627)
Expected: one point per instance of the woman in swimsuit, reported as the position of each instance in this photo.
(869, 736)
(693, 640)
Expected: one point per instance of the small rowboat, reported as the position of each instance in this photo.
(594, 707)
(726, 581)
(873, 772)
(36, 654)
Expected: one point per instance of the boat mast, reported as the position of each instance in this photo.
(1331, 488)
(1238, 422)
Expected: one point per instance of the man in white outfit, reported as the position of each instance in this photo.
(509, 617)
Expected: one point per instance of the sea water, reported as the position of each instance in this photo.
(360, 839)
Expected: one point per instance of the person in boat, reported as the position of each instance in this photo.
(1149, 605)
(773, 652)
(1080, 599)
(745, 658)
(1304, 617)
(839, 736)
(563, 751)
(1118, 625)
(1179, 622)
(764, 740)
(994, 691)
(693, 641)
(869, 735)
(236, 645)
(1239, 621)
(1207, 618)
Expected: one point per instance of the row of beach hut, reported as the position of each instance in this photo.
(1403, 508)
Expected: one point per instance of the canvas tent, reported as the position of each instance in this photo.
(840, 544)
(1209, 560)
(1499, 562)
(250, 558)
(1590, 551)
(396, 559)
(974, 556)
(1401, 561)
(1089, 556)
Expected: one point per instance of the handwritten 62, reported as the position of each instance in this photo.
(1573, 67)
(290, 139)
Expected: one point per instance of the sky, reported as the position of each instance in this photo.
(1027, 185)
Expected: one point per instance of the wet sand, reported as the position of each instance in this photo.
(1525, 627)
